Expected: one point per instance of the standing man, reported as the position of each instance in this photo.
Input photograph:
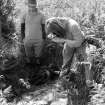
(67, 31)
(32, 29)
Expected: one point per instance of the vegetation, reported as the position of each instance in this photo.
(91, 16)
(6, 13)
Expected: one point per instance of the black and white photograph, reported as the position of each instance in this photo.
(52, 52)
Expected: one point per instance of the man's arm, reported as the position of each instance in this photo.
(77, 37)
(43, 27)
(23, 30)
(43, 31)
(23, 27)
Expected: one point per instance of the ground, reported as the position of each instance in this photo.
(43, 95)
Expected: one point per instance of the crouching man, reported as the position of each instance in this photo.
(67, 32)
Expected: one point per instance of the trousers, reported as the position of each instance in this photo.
(33, 47)
(73, 55)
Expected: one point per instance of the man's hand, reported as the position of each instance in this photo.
(51, 36)
(55, 39)
(58, 40)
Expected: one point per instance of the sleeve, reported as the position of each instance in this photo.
(77, 36)
(23, 18)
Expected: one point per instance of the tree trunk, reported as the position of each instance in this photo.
(83, 73)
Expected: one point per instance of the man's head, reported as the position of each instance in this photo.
(32, 5)
(53, 25)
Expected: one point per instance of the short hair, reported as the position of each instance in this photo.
(32, 2)
(55, 28)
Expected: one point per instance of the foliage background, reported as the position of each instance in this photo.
(89, 13)
(71, 8)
